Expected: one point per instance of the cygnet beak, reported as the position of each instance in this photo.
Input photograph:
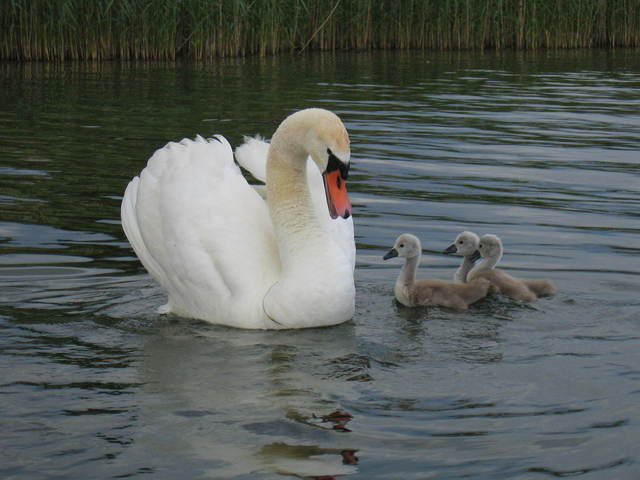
(450, 249)
(390, 254)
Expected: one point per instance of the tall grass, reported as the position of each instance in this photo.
(202, 29)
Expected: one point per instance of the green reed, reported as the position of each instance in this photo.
(202, 29)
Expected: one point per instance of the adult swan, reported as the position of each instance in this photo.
(228, 256)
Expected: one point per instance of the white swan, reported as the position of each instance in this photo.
(427, 291)
(490, 248)
(227, 256)
(465, 244)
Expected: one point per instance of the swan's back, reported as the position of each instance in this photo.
(542, 288)
(202, 232)
(506, 284)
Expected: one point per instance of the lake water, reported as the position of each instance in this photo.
(542, 149)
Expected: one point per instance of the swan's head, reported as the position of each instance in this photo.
(465, 244)
(320, 134)
(490, 247)
(406, 245)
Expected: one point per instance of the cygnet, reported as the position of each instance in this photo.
(430, 292)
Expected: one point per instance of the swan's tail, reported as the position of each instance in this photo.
(541, 288)
(252, 156)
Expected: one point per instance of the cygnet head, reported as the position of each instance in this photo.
(406, 245)
(465, 244)
(490, 247)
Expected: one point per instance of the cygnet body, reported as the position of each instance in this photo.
(491, 250)
(412, 292)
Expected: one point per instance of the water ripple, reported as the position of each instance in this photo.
(540, 148)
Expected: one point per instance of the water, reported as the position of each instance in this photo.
(539, 148)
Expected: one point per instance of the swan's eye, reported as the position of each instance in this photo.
(336, 164)
(402, 245)
(461, 242)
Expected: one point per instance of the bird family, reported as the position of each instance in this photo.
(472, 281)
(280, 253)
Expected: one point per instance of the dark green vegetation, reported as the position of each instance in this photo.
(201, 29)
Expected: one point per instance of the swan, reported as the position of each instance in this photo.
(465, 244)
(491, 250)
(430, 292)
(226, 255)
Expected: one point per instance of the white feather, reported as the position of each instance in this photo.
(207, 237)
(202, 232)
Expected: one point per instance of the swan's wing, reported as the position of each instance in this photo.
(132, 231)
(199, 228)
(252, 155)
(507, 284)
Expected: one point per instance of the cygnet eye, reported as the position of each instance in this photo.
(461, 242)
(402, 245)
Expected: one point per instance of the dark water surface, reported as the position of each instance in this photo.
(542, 149)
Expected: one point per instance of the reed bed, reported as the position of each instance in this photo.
(204, 29)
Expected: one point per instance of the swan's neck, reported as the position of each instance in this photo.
(294, 220)
(487, 263)
(464, 269)
(408, 272)
(315, 286)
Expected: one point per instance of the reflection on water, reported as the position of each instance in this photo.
(539, 148)
(306, 461)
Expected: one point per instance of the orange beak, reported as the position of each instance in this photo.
(337, 197)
